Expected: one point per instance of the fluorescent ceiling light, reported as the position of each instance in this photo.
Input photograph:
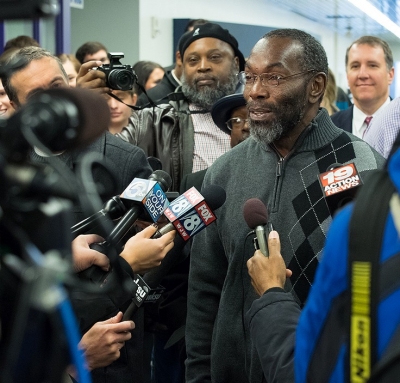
(375, 14)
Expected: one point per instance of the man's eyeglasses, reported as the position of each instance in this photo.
(236, 123)
(266, 79)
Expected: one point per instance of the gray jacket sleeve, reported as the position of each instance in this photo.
(273, 320)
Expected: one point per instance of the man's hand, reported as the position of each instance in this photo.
(103, 342)
(92, 79)
(144, 253)
(83, 256)
(268, 272)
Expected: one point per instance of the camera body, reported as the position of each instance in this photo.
(118, 76)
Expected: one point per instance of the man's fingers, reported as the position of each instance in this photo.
(274, 244)
(102, 261)
(94, 238)
(115, 319)
(87, 66)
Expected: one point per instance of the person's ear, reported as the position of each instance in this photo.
(14, 105)
(317, 88)
(178, 58)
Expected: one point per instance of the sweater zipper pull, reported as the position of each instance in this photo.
(279, 167)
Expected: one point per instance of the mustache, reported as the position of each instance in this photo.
(202, 78)
(261, 106)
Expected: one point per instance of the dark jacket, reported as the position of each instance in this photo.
(194, 179)
(126, 162)
(344, 119)
(165, 132)
(272, 320)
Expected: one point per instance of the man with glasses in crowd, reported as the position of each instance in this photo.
(292, 141)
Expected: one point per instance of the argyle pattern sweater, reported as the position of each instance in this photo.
(220, 291)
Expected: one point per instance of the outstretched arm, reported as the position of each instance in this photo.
(273, 317)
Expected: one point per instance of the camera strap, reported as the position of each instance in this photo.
(152, 104)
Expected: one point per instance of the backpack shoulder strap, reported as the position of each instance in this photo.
(366, 233)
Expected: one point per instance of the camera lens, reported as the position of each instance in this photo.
(121, 79)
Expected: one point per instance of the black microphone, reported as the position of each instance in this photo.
(113, 209)
(339, 185)
(256, 216)
(140, 197)
(213, 197)
(155, 163)
(60, 119)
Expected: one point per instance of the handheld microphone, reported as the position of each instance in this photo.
(59, 119)
(340, 185)
(256, 216)
(141, 196)
(192, 212)
(215, 197)
(113, 209)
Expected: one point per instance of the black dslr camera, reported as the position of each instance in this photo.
(118, 76)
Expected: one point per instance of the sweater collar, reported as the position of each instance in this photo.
(320, 131)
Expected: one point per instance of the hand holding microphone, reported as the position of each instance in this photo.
(83, 256)
(144, 253)
(271, 271)
(141, 196)
(188, 214)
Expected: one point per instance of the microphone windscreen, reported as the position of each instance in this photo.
(214, 195)
(255, 213)
(155, 163)
(163, 178)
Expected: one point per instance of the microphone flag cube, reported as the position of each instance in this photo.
(147, 193)
(340, 179)
(189, 213)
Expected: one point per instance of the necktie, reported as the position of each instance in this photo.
(367, 121)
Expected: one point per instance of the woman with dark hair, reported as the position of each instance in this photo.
(149, 74)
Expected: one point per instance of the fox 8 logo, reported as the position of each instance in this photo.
(192, 222)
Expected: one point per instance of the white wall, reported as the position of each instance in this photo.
(129, 26)
(252, 12)
(115, 23)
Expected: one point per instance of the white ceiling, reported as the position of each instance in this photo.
(344, 18)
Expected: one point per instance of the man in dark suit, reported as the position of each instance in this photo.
(369, 68)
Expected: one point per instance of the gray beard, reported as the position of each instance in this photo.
(205, 97)
(266, 134)
(288, 117)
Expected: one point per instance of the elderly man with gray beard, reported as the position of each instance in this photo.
(292, 141)
(182, 133)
